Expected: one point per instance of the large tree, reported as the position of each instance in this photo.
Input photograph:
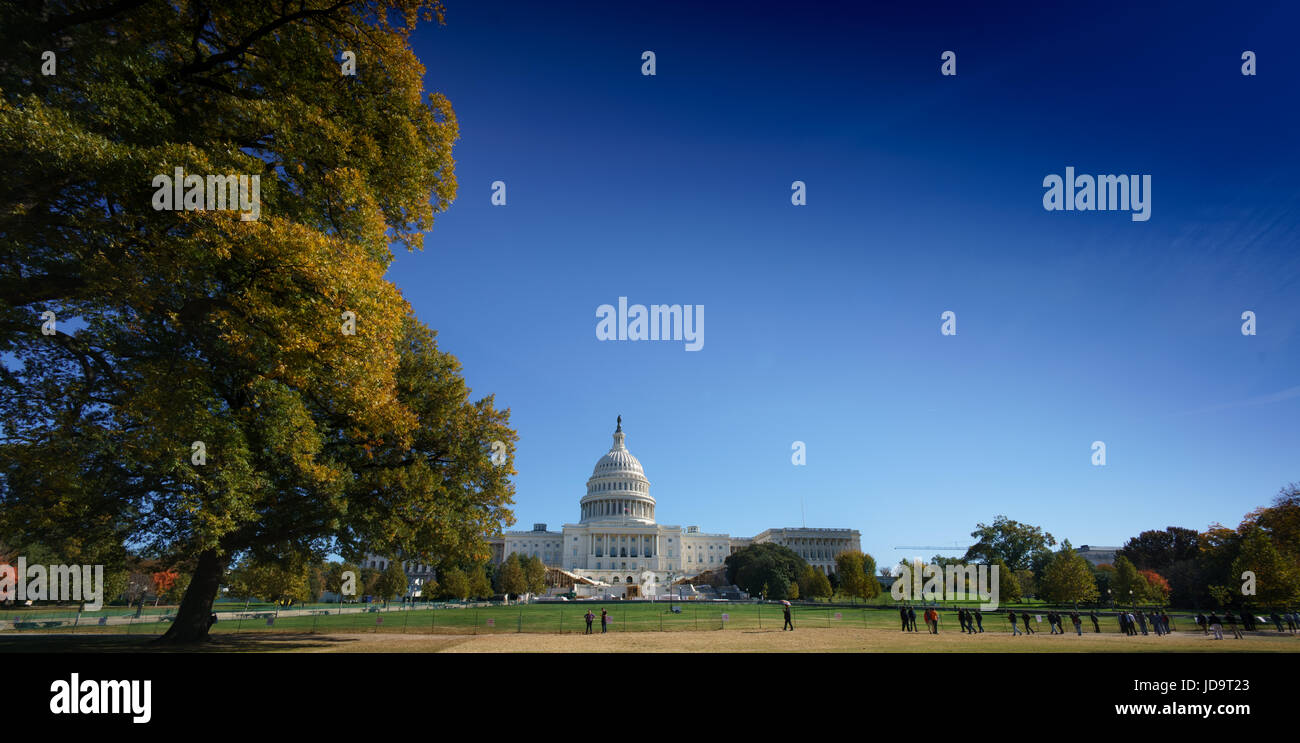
(199, 396)
(1173, 553)
(771, 565)
(857, 573)
(1068, 578)
(1127, 583)
(1280, 522)
(1276, 579)
(453, 584)
(534, 574)
(392, 582)
(813, 584)
(1019, 546)
(480, 586)
(1159, 549)
(511, 578)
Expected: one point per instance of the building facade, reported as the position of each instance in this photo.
(818, 547)
(617, 539)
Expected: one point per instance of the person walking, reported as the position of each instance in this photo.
(902, 616)
(1277, 621)
(961, 619)
(911, 618)
(590, 618)
(1164, 619)
(1215, 626)
(1132, 624)
(1142, 622)
(788, 624)
(1231, 621)
(1204, 624)
(935, 613)
(1123, 623)
(1096, 628)
(1025, 616)
(1155, 624)
(604, 621)
(1011, 615)
(979, 619)
(1078, 623)
(1052, 620)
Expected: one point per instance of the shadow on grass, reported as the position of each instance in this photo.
(52, 643)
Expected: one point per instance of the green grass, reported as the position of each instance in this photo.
(537, 618)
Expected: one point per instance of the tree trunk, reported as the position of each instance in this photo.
(191, 624)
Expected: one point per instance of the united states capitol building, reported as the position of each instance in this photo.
(618, 543)
(617, 540)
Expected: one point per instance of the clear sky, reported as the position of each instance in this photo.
(924, 194)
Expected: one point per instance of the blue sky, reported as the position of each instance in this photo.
(924, 195)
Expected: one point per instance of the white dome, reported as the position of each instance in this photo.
(618, 461)
(618, 489)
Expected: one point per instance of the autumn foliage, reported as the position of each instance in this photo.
(185, 327)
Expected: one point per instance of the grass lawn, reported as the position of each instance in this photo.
(838, 638)
(709, 620)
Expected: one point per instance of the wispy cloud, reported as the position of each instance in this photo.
(1287, 394)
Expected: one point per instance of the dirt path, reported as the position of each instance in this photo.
(835, 640)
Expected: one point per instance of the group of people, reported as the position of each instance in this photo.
(1132, 621)
(1055, 620)
(1248, 620)
(604, 621)
(971, 620)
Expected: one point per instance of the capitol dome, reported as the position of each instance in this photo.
(618, 490)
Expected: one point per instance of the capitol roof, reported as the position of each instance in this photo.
(618, 460)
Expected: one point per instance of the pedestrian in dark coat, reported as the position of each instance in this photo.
(1231, 621)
